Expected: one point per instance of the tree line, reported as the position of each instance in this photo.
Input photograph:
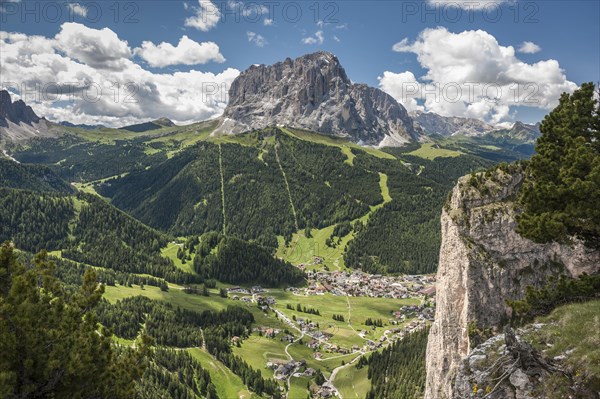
(398, 371)
(235, 261)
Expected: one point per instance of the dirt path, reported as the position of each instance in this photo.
(203, 340)
(331, 378)
(287, 186)
(222, 189)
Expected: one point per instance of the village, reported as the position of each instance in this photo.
(358, 283)
(319, 336)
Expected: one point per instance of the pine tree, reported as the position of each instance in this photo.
(50, 342)
(561, 197)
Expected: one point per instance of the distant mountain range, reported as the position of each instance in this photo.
(311, 92)
(434, 124)
(431, 124)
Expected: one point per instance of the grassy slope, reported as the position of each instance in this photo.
(302, 249)
(352, 382)
(326, 364)
(257, 350)
(170, 251)
(110, 135)
(344, 145)
(432, 151)
(174, 296)
(229, 385)
(574, 326)
(298, 388)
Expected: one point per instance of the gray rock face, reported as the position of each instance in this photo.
(18, 122)
(483, 262)
(313, 92)
(17, 112)
(449, 126)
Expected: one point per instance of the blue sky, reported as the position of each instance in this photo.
(361, 33)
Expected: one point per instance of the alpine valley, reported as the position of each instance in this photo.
(289, 248)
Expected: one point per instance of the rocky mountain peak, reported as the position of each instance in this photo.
(314, 92)
(18, 121)
(17, 112)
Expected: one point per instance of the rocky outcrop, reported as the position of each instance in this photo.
(18, 122)
(17, 112)
(483, 262)
(313, 92)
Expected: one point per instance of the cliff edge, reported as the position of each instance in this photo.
(484, 262)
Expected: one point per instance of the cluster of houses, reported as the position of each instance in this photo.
(283, 369)
(424, 311)
(268, 332)
(358, 283)
(413, 326)
(327, 390)
(257, 289)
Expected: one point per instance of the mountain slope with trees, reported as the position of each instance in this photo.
(85, 229)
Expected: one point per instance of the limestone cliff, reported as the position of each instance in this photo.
(483, 262)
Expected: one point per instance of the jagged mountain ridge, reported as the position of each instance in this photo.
(313, 92)
(18, 121)
(16, 112)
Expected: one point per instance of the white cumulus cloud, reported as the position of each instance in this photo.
(98, 48)
(529, 48)
(471, 74)
(207, 16)
(402, 86)
(187, 52)
(77, 9)
(87, 75)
